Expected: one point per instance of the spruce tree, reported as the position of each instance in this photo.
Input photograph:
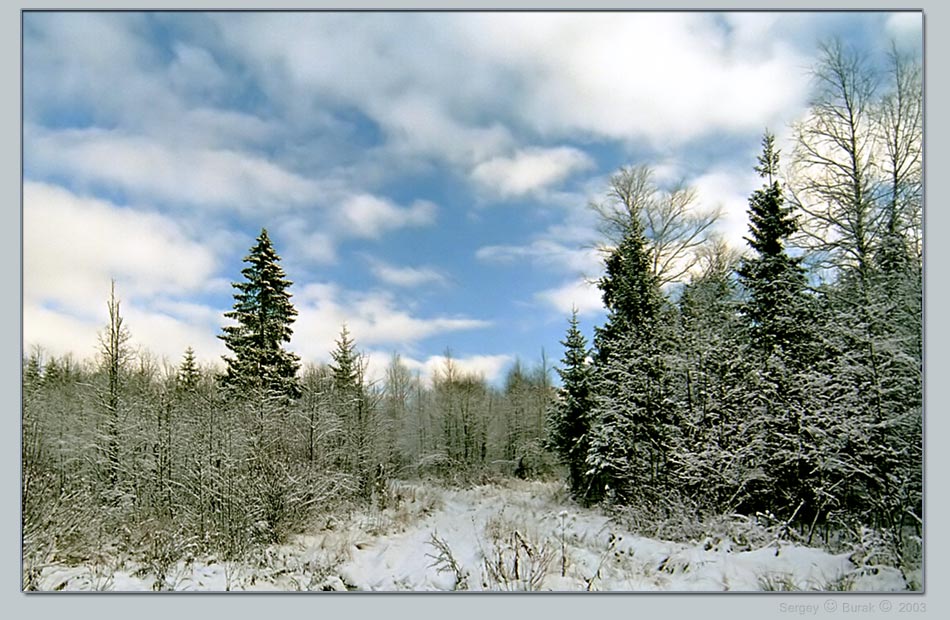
(352, 405)
(780, 317)
(188, 373)
(712, 373)
(774, 280)
(569, 415)
(32, 373)
(630, 290)
(628, 437)
(264, 315)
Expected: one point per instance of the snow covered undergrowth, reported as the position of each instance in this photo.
(514, 536)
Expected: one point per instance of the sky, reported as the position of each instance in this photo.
(424, 177)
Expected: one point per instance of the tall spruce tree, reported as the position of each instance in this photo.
(628, 447)
(264, 315)
(779, 315)
(630, 290)
(774, 280)
(569, 415)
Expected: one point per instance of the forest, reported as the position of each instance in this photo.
(781, 384)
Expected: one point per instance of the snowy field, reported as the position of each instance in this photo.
(514, 536)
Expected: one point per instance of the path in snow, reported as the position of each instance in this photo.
(485, 531)
(597, 554)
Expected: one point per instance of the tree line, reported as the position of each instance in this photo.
(124, 450)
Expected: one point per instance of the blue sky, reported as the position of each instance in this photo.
(424, 176)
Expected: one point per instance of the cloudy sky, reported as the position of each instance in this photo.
(424, 176)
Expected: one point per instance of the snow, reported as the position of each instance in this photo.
(482, 532)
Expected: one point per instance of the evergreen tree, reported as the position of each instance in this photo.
(188, 373)
(264, 315)
(32, 373)
(774, 280)
(346, 367)
(712, 376)
(630, 417)
(629, 288)
(569, 415)
(778, 312)
(351, 401)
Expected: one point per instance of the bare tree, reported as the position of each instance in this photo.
(835, 168)
(113, 346)
(901, 127)
(397, 394)
(674, 224)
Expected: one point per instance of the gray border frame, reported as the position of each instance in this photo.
(622, 605)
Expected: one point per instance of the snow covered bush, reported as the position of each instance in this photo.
(514, 561)
(444, 562)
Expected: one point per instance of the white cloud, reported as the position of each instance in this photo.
(155, 333)
(372, 318)
(419, 125)
(73, 246)
(546, 252)
(369, 216)
(664, 77)
(149, 169)
(76, 57)
(406, 277)
(195, 66)
(468, 91)
(167, 335)
(489, 367)
(530, 170)
(458, 87)
(580, 294)
(59, 333)
(304, 245)
(731, 190)
(73, 62)
(906, 28)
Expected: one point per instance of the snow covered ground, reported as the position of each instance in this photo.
(515, 536)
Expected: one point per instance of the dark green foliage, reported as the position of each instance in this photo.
(32, 373)
(264, 315)
(188, 374)
(713, 458)
(569, 415)
(777, 308)
(352, 403)
(346, 367)
(634, 414)
(631, 292)
(761, 392)
(631, 414)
